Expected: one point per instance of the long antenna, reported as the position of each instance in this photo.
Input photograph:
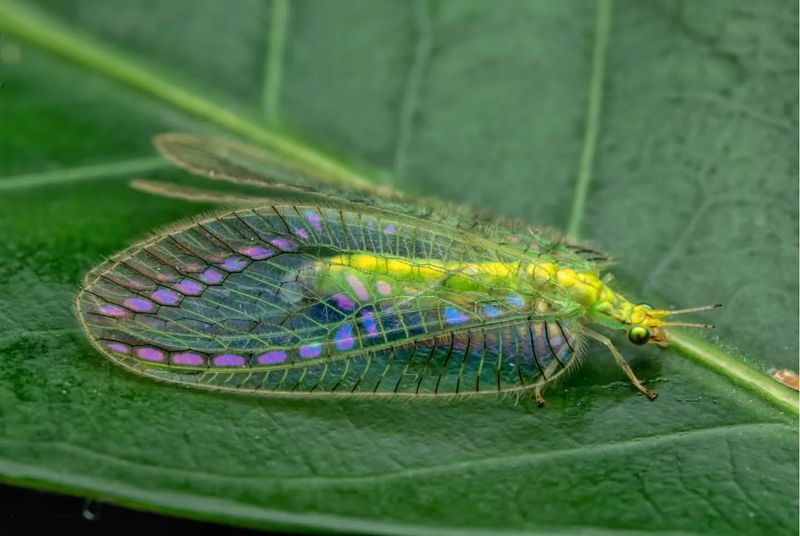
(689, 325)
(694, 309)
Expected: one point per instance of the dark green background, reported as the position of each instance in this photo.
(693, 189)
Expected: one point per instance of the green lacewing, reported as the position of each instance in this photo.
(320, 289)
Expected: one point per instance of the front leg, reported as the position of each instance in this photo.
(621, 362)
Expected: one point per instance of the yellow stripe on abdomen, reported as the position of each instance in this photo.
(453, 274)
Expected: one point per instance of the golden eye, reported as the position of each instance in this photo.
(638, 335)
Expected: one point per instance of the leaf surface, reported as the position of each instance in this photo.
(672, 124)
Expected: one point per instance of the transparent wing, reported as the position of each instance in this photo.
(245, 164)
(259, 299)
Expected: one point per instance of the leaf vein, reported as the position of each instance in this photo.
(422, 18)
(592, 127)
(275, 58)
(512, 460)
(83, 173)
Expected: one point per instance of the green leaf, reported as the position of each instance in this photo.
(665, 132)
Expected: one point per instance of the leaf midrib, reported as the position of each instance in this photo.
(458, 466)
(49, 34)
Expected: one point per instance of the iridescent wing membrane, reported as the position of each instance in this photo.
(250, 300)
(243, 164)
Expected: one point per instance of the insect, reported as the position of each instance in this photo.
(312, 290)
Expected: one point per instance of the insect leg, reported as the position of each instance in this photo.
(549, 375)
(538, 394)
(605, 341)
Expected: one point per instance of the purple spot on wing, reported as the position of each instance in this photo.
(344, 337)
(118, 347)
(140, 305)
(314, 219)
(190, 359)
(491, 311)
(150, 354)
(212, 276)
(368, 321)
(516, 300)
(112, 310)
(358, 287)
(313, 349)
(389, 229)
(271, 358)
(343, 302)
(190, 287)
(454, 316)
(284, 244)
(229, 360)
(257, 253)
(383, 288)
(234, 264)
(166, 296)
(302, 233)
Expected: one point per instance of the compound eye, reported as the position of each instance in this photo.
(638, 335)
